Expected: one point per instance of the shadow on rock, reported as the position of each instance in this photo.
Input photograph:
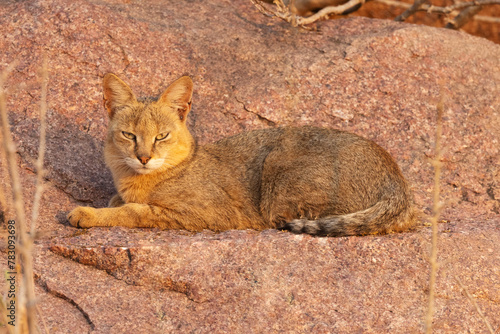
(74, 159)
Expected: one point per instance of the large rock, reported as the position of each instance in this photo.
(376, 78)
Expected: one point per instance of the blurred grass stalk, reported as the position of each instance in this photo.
(26, 317)
(436, 212)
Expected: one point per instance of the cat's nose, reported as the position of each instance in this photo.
(143, 159)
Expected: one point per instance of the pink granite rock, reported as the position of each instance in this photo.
(377, 78)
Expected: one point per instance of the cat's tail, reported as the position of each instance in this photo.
(386, 216)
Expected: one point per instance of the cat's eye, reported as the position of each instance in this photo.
(162, 136)
(128, 135)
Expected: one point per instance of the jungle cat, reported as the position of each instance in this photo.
(311, 180)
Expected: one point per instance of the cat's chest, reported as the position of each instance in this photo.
(136, 189)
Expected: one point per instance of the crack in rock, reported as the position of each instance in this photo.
(125, 58)
(117, 262)
(44, 285)
(260, 117)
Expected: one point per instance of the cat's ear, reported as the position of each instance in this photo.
(178, 96)
(116, 94)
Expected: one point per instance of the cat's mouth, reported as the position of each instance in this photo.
(143, 170)
(139, 168)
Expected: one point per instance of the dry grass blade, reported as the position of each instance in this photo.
(8, 154)
(436, 162)
(262, 8)
(3, 316)
(26, 298)
(3, 172)
(473, 301)
(3, 157)
(41, 149)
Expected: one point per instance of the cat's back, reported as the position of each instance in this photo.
(290, 140)
(304, 150)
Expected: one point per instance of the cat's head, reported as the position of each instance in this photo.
(147, 136)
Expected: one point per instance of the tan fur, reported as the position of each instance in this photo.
(308, 180)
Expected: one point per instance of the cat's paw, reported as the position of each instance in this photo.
(83, 216)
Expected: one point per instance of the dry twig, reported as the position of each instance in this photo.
(417, 4)
(324, 13)
(283, 12)
(468, 10)
(465, 16)
(425, 7)
(457, 5)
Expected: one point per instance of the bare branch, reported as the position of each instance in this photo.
(330, 10)
(395, 3)
(458, 5)
(469, 10)
(410, 11)
(489, 19)
(440, 10)
(284, 12)
(465, 16)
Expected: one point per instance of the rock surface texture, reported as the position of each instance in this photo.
(376, 78)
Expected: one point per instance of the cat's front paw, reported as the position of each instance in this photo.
(83, 216)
